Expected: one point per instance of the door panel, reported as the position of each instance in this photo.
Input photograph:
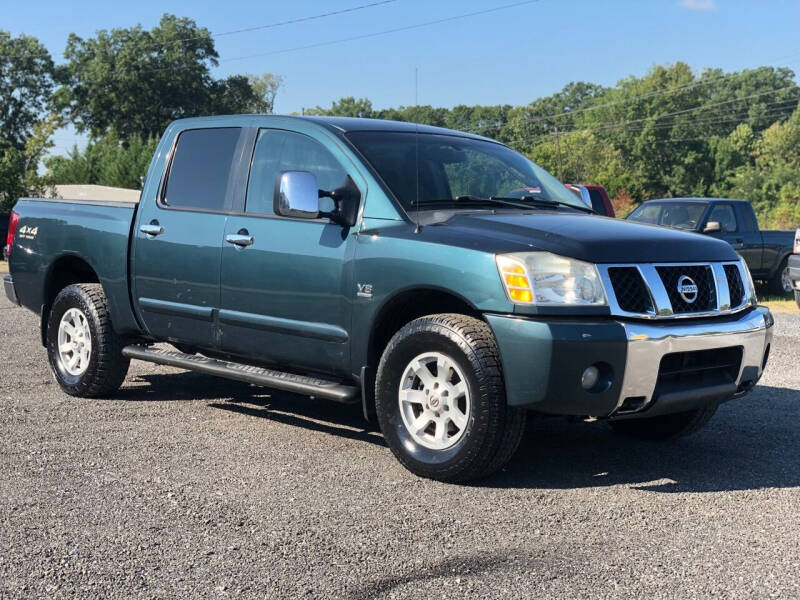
(746, 243)
(285, 281)
(283, 296)
(177, 245)
(177, 278)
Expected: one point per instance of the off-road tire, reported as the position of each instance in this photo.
(107, 367)
(797, 298)
(666, 427)
(494, 429)
(776, 283)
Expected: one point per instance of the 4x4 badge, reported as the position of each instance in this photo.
(364, 290)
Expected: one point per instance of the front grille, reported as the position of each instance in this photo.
(735, 285)
(703, 277)
(698, 369)
(630, 289)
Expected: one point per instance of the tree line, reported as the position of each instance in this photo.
(121, 87)
(670, 132)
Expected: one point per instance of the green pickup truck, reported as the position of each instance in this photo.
(442, 280)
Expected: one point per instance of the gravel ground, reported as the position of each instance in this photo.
(188, 486)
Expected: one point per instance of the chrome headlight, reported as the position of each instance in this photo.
(546, 279)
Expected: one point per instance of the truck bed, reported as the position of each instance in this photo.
(78, 232)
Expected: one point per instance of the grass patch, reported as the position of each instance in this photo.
(3, 266)
(776, 303)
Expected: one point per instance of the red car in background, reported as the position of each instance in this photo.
(595, 197)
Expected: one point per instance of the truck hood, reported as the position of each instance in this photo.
(586, 237)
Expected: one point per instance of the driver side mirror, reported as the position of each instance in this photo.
(712, 227)
(297, 195)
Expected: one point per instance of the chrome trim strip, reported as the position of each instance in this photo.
(723, 292)
(660, 298)
(648, 343)
(657, 290)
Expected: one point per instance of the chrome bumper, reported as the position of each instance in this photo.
(794, 270)
(649, 342)
(11, 293)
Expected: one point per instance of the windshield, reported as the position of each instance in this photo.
(672, 214)
(452, 167)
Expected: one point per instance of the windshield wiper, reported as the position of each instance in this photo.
(525, 203)
(544, 202)
(494, 199)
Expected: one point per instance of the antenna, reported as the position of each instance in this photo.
(416, 146)
(416, 160)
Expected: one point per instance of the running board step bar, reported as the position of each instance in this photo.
(300, 384)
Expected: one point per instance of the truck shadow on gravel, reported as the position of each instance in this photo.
(252, 401)
(751, 443)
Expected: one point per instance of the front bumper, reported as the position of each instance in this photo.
(794, 270)
(543, 362)
(8, 285)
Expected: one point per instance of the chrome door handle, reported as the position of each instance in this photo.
(153, 229)
(238, 239)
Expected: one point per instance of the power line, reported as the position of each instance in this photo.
(385, 31)
(652, 94)
(601, 104)
(258, 27)
(536, 139)
(687, 110)
(742, 113)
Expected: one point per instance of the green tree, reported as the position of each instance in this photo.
(585, 158)
(345, 107)
(771, 180)
(104, 162)
(134, 82)
(525, 126)
(19, 174)
(265, 89)
(26, 82)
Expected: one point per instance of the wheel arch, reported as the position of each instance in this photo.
(66, 270)
(784, 256)
(397, 311)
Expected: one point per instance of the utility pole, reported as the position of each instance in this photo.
(558, 150)
(416, 86)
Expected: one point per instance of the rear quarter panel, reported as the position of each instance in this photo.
(778, 245)
(95, 232)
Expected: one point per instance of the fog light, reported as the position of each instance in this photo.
(590, 377)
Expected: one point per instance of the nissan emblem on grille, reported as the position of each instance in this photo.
(687, 288)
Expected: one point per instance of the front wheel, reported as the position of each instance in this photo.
(440, 399)
(666, 427)
(84, 352)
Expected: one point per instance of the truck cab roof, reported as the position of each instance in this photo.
(339, 125)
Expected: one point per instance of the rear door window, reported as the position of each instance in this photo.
(200, 173)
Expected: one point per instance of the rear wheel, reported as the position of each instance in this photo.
(84, 352)
(440, 399)
(666, 427)
(797, 298)
(781, 284)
